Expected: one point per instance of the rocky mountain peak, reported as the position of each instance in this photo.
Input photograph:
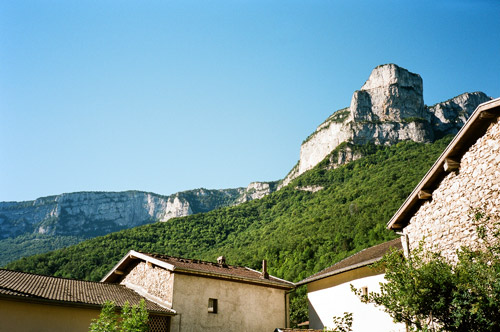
(391, 93)
(391, 74)
(388, 108)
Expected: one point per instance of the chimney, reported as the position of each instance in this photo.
(221, 260)
(265, 275)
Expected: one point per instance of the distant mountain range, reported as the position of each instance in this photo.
(388, 109)
(52, 222)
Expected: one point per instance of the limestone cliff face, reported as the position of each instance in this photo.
(449, 116)
(391, 93)
(89, 214)
(48, 223)
(388, 108)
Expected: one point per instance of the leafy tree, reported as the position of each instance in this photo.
(107, 321)
(342, 324)
(430, 293)
(135, 318)
(132, 319)
(298, 306)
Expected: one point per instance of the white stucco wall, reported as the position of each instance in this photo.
(241, 306)
(332, 296)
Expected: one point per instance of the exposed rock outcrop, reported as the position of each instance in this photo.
(343, 156)
(87, 213)
(388, 108)
(256, 190)
(449, 116)
(391, 93)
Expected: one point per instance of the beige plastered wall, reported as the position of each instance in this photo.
(444, 223)
(332, 296)
(34, 317)
(241, 306)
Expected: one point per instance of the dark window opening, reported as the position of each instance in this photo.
(212, 306)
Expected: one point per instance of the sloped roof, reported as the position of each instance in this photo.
(195, 267)
(363, 258)
(34, 287)
(475, 127)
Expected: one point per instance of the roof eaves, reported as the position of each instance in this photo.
(335, 272)
(132, 254)
(457, 148)
(37, 299)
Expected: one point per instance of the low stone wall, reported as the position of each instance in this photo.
(445, 222)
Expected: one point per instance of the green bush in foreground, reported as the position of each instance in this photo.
(429, 293)
(132, 319)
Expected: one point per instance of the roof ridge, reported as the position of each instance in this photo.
(189, 260)
(54, 277)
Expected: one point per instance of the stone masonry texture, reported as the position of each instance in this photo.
(445, 223)
(155, 281)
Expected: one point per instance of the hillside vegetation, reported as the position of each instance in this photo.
(297, 231)
(53, 222)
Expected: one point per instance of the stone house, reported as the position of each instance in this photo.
(465, 179)
(206, 296)
(329, 291)
(30, 302)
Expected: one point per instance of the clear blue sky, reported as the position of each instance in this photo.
(166, 96)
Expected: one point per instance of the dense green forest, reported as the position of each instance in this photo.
(30, 244)
(297, 231)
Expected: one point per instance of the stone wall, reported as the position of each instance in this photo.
(445, 222)
(151, 281)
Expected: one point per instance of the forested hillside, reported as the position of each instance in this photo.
(53, 222)
(299, 232)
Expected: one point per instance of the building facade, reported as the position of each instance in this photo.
(463, 183)
(329, 292)
(206, 296)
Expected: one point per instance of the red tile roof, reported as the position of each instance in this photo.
(363, 258)
(199, 267)
(204, 266)
(69, 291)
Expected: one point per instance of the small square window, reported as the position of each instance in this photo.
(364, 294)
(212, 306)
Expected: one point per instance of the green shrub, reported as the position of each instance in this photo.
(430, 293)
(132, 319)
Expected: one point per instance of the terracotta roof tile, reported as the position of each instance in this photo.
(20, 284)
(195, 265)
(362, 258)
